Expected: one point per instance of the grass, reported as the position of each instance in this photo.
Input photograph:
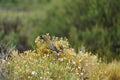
(31, 17)
(42, 64)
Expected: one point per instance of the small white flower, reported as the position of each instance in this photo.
(60, 59)
(48, 72)
(64, 58)
(77, 73)
(33, 73)
(28, 76)
(41, 77)
(78, 79)
(74, 62)
(8, 62)
(3, 61)
(81, 74)
(80, 60)
(48, 55)
(79, 67)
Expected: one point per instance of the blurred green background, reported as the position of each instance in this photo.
(95, 24)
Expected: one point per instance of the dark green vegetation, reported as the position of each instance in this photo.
(94, 24)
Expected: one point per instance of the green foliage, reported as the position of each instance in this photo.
(94, 24)
(22, 5)
(73, 36)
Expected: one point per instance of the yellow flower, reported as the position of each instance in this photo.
(15, 52)
(37, 41)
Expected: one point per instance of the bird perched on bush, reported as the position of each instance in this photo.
(50, 43)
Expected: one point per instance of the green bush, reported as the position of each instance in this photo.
(93, 24)
(96, 23)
